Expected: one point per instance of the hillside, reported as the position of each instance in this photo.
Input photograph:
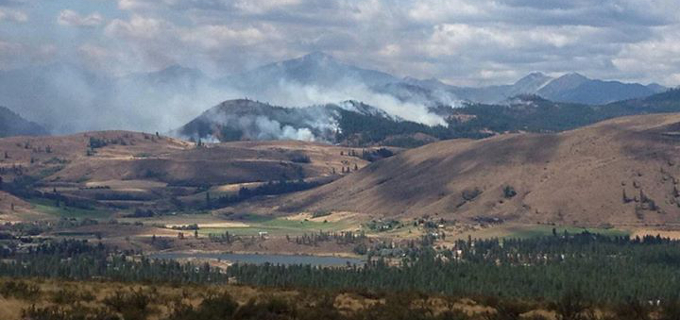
(531, 113)
(349, 123)
(622, 171)
(12, 124)
(128, 170)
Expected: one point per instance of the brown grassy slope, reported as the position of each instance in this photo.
(139, 156)
(144, 170)
(21, 208)
(576, 177)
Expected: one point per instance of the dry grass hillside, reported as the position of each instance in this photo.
(129, 169)
(622, 172)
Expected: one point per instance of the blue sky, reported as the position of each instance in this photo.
(468, 42)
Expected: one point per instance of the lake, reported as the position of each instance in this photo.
(280, 259)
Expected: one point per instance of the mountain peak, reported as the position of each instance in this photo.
(536, 74)
(318, 56)
(316, 68)
(533, 77)
(531, 83)
(574, 76)
(316, 60)
(568, 81)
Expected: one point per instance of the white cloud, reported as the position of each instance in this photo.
(462, 41)
(262, 6)
(12, 15)
(158, 42)
(71, 18)
(139, 27)
(655, 59)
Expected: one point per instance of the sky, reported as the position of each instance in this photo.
(462, 42)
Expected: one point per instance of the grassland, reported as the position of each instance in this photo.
(57, 299)
(280, 226)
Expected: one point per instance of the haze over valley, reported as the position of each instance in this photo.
(166, 99)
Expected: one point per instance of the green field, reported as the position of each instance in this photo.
(49, 207)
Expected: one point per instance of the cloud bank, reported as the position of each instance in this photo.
(464, 42)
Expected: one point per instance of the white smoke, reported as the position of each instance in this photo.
(291, 94)
(67, 99)
(273, 130)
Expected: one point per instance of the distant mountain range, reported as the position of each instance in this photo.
(66, 98)
(571, 87)
(319, 69)
(11, 124)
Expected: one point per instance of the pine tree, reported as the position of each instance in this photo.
(625, 197)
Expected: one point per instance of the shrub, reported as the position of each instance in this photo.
(267, 308)
(300, 158)
(213, 307)
(77, 312)
(134, 305)
(19, 290)
(571, 306)
(509, 192)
